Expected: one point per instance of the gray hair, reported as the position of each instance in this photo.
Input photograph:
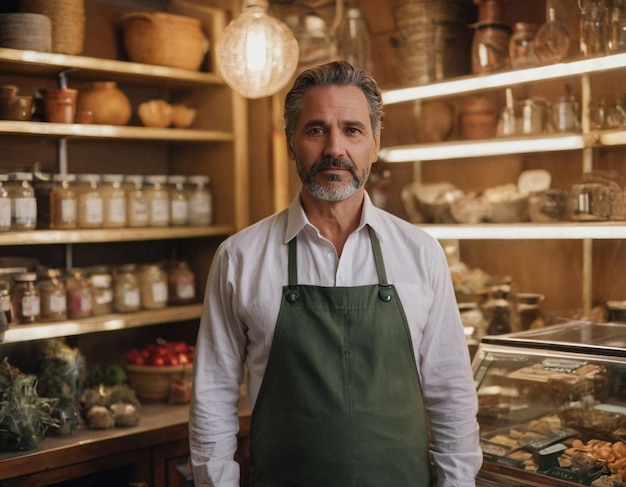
(336, 73)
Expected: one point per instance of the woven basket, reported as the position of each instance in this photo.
(28, 31)
(152, 383)
(68, 22)
(164, 39)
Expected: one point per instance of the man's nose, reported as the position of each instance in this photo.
(335, 146)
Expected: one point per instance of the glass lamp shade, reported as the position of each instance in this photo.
(257, 54)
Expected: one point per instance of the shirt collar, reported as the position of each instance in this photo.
(297, 219)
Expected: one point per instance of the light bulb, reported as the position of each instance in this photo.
(257, 54)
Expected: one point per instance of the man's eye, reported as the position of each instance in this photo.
(353, 130)
(316, 131)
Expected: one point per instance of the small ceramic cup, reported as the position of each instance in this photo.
(16, 107)
(60, 104)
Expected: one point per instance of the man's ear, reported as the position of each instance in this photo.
(290, 152)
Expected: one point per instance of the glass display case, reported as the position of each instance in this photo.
(552, 406)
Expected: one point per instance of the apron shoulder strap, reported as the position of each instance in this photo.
(378, 258)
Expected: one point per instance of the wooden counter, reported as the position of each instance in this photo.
(147, 453)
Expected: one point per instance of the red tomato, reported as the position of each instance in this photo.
(160, 361)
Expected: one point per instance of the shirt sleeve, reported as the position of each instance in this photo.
(218, 371)
(447, 383)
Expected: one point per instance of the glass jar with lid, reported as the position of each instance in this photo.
(23, 201)
(179, 206)
(25, 298)
(102, 287)
(113, 201)
(200, 201)
(6, 307)
(53, 295)
(182, 283)
(153, 287)
(79, 294)
(158, 201)
(127, 297)
(90, 205)
(136, 201)
(63, 202)
(5, 205)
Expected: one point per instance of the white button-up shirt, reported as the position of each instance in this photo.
(242, 301)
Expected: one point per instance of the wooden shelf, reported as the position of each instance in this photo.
(103, 235)
(93, 69)
(118, 321)
(527, 231)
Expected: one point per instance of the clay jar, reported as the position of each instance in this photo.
(106, 103)
(14, 106)
(479, 117)
(60, 104)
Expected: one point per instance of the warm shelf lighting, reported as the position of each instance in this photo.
(504, 79)
(257, 54)
(491, 147)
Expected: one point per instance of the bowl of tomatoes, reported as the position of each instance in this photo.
(153, 369)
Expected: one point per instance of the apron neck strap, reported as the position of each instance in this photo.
(378, 259)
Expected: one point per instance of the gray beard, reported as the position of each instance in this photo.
(334, 188)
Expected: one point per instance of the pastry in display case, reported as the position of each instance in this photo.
(552, 406)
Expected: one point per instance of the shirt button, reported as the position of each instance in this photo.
(341, 276)
(330, 256)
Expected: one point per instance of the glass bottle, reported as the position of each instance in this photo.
(179, 206)
(617, 26)
(594, 28)
(153, 287)
(113, 201)
(522, 46)
(102, 287)
(5, 205)
(79, 294)
(136, 201)
(53, 296)
(182, 283)
(158, 201)
(6, 308)
(126, 294)
(90, 206)
(551, 40)
(23, 201)
(200, 201)
(353, 39)
(63, 202)
(25, 298)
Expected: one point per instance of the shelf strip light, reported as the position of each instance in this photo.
(457, 150)
(504, 79)
(524, 231)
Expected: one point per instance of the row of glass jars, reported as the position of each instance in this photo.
(68, 201)
(49, 295)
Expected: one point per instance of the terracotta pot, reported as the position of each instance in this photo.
(107, 104)
(60, 104)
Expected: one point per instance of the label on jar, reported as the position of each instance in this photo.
(5, 213)
(131, 298)
(180, 210)
(200, 210)
(24, 211)
(31, 306)
(93, 210)
(57, 303)
(68, 211)
(116, 210)
(159, 211)
(137, 213)
(159, 292)
(186, 290)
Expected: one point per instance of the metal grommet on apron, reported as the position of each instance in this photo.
(340, 404)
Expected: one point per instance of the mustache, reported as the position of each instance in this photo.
(329, 162)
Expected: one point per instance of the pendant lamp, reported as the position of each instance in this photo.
(257, 54)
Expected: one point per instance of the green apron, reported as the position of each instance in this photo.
(340, 404)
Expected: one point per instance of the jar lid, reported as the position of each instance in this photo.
(134, 178)
(25, 277)
(199, 179)
(112, 178)
(177, 179)
(64, 177)
(21, 176)
(91, 178)
(156, 179)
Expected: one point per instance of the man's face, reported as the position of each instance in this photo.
(334, 146)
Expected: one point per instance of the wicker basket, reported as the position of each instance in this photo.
(152, 383)
(68, 22)
(164, 39)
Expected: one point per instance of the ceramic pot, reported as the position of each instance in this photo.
(60, 104)
(16, 107)
(107, 104)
